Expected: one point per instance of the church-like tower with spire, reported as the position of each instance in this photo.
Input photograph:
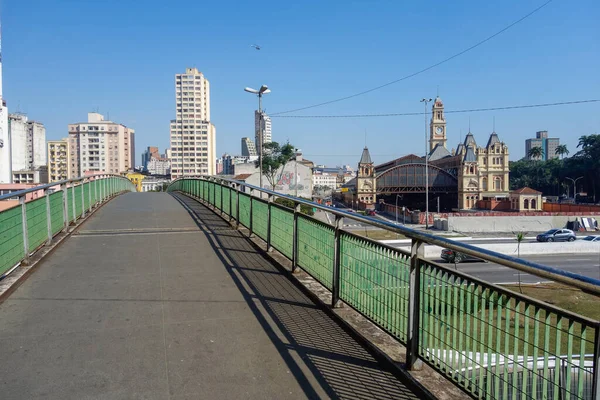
(366, 184)
(5, 161)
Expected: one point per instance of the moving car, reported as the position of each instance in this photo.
(557, 235)
(592, 238)
(452, 256)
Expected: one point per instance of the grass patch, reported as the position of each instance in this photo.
(377, 234)
(563, 296)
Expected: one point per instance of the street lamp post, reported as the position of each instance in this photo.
(263, 90)
(574, 183)
(425, 101)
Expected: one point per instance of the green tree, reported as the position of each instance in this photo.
(519, 237)
(274, 160)
(535, 153)
(561, 151)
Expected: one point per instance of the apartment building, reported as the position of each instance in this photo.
(98, 146)
(59, 167)
(265, 123)
(193, 136)
(248, 148)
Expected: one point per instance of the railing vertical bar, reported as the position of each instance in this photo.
(417, 251)
(250, 223)
(468, 332)
(25, 230)
(547, 321)
(526, 345)
(65, 206)
(596, 367)
(295, 244)
(269, 220)
(557, 367)
(506, 348)
(482, 343)
(516, 364)
(335, 282)
(48, 217)
(497, 382)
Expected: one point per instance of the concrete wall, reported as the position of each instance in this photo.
(534, 223)
(287, 179)
(510, 249)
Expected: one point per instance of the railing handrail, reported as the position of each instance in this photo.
(9, 196)
(588, 284)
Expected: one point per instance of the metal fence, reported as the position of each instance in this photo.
(490, 341)
(44, 211)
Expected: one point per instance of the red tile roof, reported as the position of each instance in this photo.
(526, 190)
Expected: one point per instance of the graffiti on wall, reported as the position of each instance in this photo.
(286, 181)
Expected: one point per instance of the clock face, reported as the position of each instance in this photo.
(439, 130)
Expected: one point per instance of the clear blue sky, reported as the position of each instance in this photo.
(64, 58)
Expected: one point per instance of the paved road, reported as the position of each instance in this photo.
(584, 264)
(155, 301)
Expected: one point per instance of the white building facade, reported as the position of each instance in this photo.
(193, 136)
(266, 129)
(27, 147)
(159, 166)
(100, 146)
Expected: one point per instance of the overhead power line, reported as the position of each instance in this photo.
(563, 103)
(421, 71)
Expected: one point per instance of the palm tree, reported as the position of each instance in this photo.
(535, 153)
(561, 150)
(519, 237)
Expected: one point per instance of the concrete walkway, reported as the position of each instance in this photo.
(150, 300)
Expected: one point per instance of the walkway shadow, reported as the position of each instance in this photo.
(342, 366)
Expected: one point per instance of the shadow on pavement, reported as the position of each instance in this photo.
(309, 341)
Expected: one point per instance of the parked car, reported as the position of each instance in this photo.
(452, 256)
(592, 238)
(557, 235)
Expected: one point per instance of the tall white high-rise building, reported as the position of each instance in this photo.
(5, 162)
(28, 143)
(193, 136)
(266, 129)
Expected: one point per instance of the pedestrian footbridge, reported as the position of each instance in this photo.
(202, 293)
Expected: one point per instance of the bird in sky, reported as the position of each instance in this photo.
(257, 47)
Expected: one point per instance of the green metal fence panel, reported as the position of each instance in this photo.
(259, 218)
(498, 344)
(11, 238)
(86, 196)
(78, 201)
(316, 249)
(282, 230)
(244, 210)
(57, 218)
(218, 195)
(37, 223)
(375, 281)
(226, 200)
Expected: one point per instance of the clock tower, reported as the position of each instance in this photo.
(366, 181)
(437, 126)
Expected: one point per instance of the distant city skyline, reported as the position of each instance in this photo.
(304, 67)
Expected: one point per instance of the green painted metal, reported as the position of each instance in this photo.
(374, 281)
(37, 224)
(56, 212)
(218, 195)
(245, 209)
(315, 249)
(259, 218)
(499, 348)
(78, 201)
(282, 230)
(234, 196)
(11, 238)
(226, 199)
